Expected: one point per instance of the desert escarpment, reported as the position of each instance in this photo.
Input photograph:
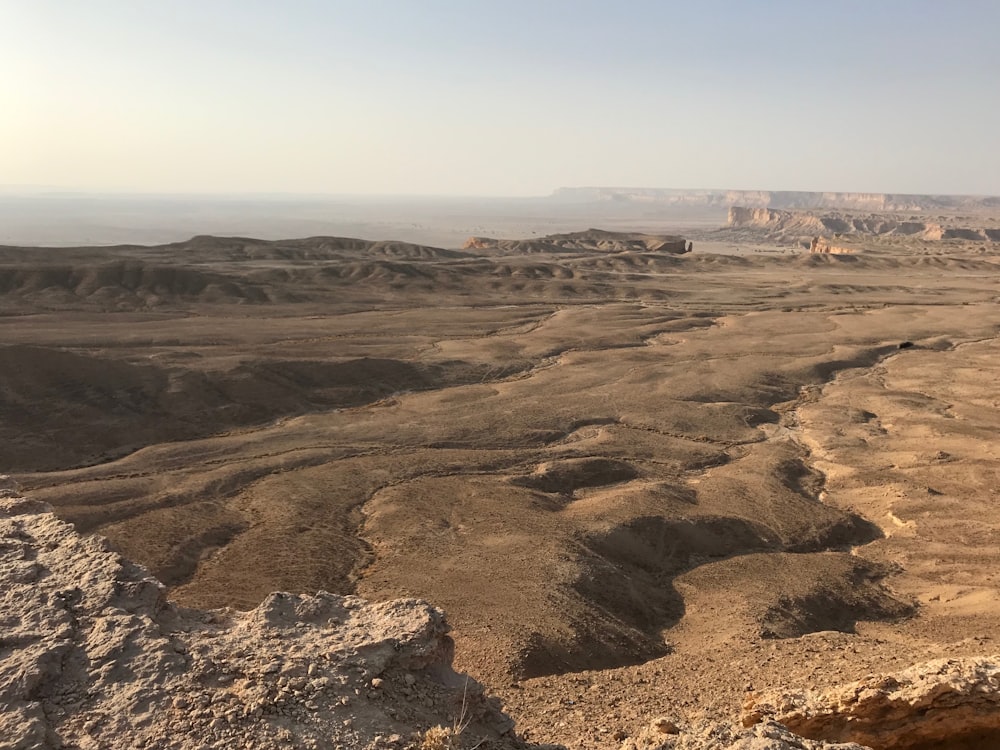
(781, 199)
(784, 224)
(639, 483)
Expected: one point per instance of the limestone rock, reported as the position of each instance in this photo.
(947, 701)
(822, 245)
(93, 656)
(766, 736)
(794, 199)
(778, 224)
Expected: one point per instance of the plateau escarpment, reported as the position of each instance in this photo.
(782, 225)
(781, 199)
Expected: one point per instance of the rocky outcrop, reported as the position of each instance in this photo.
(93, 656)
(593, 240)
(480, 243)
(748, 216)
(822, 245)
(665, 734)
(943, 703)
(773, 220)
(780, 224)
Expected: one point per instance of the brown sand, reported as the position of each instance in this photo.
(638, 483)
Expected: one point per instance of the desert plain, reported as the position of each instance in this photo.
(640, 481)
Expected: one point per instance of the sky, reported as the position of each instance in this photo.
(499, 97)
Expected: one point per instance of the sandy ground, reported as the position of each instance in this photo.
(638, 484)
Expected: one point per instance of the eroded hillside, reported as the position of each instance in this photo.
(602, 464)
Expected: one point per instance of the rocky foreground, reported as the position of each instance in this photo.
(93, 656)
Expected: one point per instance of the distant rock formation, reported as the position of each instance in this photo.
(821, 245)
(769, 218)
(943, 703)
(781, 199)
(776, 222)
(480, 243)
(93, 656)
(594, 240)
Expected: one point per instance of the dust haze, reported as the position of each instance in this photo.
(66, 219)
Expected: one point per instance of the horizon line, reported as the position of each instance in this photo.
(57, 191)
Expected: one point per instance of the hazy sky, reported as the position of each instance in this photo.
(506, 97)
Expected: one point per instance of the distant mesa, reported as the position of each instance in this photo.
(781, 199)
(779, 223)
(592, 240)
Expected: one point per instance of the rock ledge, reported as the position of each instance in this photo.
(93, 656)
(952, 703)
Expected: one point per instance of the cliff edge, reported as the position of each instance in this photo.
(786, 199)
(93, 656)
(781, 224)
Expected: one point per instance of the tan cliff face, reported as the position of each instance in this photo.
(780, 199)
(749, 216)
(741, 216)
(810, 200)
(941, 704)
(774, 220)
(821, 245)
(781, 223)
